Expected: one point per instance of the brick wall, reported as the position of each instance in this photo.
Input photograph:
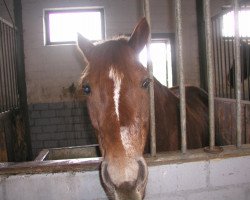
(59, 125)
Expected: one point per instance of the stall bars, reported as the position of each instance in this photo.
(210, 73)
(224, 62)
(9, 98)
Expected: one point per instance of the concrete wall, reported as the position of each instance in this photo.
(219, 179)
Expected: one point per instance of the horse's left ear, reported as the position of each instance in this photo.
(139, 36)
(84, 45)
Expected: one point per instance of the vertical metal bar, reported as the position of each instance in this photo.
(12, 67)
(221, 57)
(167, 66)
(234, 65)
(1, 72)
(229, 65)
(225, 65)
(151, 87)
(248, 70)
(179, 51)
(214, 51)
(6, 67)
(242, 64)
(217, 58)
(8, 52)
(210, 72)
(15, 67)
(238, 72)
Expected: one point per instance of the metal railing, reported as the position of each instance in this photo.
(8, 62)
(225, 61)
(214, 63)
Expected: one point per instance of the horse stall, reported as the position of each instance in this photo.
(14, 134)
(48, 145)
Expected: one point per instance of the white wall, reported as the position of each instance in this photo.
(218, 179)
(50, 70)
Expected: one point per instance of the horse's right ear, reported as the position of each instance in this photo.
(84, 45)
(139, 36)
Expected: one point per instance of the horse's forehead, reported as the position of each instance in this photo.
(115, 57)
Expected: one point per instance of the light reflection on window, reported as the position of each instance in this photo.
(64, 26)
(161, 58)
(228, 24)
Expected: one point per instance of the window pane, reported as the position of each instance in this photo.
(228, 24)
(64, 26)
(161, 58)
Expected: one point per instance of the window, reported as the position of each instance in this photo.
(62, 26)
(161, 59)
(228, 24)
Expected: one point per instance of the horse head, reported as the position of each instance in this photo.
(116, 88)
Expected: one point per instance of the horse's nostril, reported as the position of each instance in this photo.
(142, 175)
(105, 176)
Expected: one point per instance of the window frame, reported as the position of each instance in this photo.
(47, 12)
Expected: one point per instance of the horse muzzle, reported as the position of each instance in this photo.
(121, 184)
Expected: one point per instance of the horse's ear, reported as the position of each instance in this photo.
(84, 45)
(139, 36)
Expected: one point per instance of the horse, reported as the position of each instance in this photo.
(116, 86)
(245, 65)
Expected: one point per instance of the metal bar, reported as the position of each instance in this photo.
(179, 51)
(1, 73)
(225, 65)
(217, 59)
(242, 56)
(237, 73)
(214, 51)
(8, 66)
(248, 70)
(210, 72)
(229, 64)
(11, 68)
(220, 59)
(233, 64)
(151, 87)
(15, 68)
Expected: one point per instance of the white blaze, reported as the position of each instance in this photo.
(129, 135)
(117, 79)
(125, 137)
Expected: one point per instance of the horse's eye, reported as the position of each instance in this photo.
(146, 83)
(86, 89)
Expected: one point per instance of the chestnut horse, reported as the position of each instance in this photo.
(116, 87)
